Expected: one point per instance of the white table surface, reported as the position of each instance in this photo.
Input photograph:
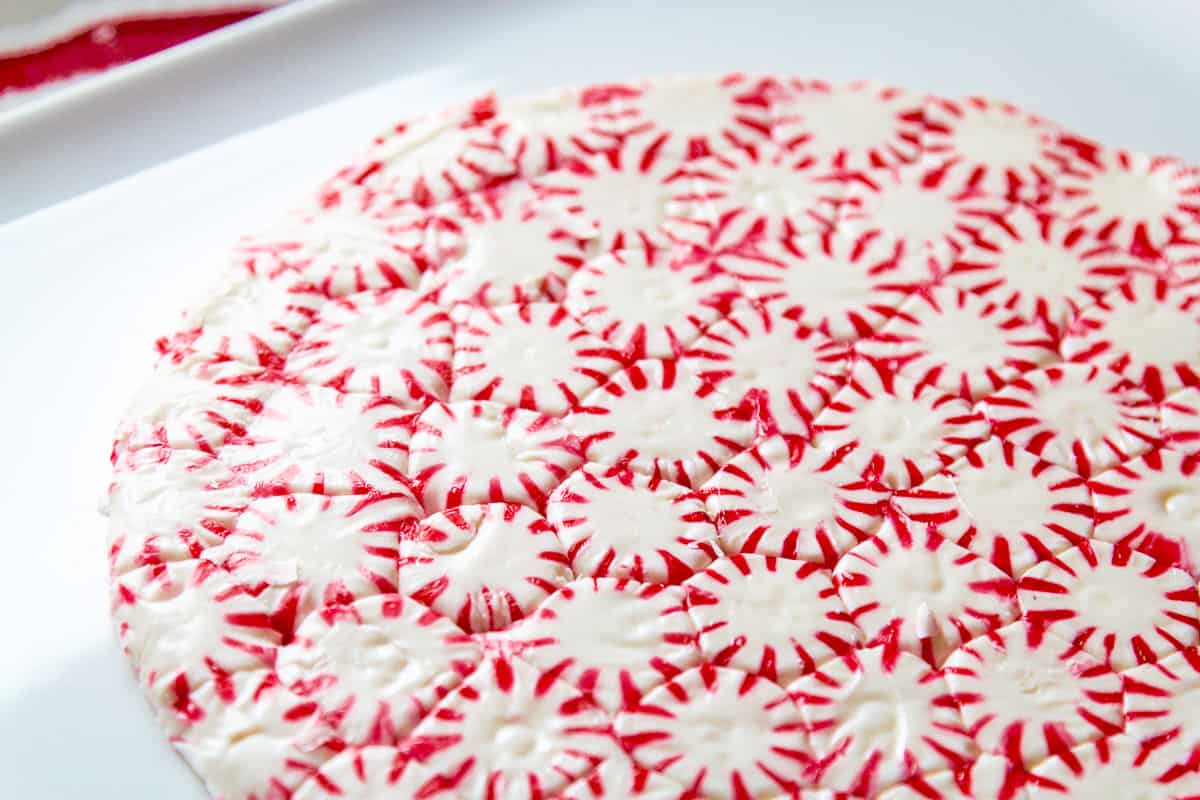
(90, 282)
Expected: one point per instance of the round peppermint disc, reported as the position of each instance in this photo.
(729, 437)
(1118, 767)
(1025, 696)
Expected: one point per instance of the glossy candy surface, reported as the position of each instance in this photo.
(742, 437)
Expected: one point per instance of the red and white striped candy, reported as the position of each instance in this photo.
(893, 430)
(197, 408)
(500, 246)
(849, 127)
(876, 717)
(1132, 200)
(683, 118)
(534, 356)
(509, 731)
(720, 733)
(1112, 769)
(365, 773)
(483, 566)
(312, 551)
(250, 319)
(614, 640)
(910, 588)
(335, 251)
(735, 243)
(840, 283)
(992, 148)
(989, 777)
(961, 343)
(1181, 424)
(1161, 703)
(629, 196)
(376, 666)
(786, 498)
(170, 508)
(657, 419)
(317, 439)
(483, 452)
(1120, 605)
(248, 735)
(393, 343)
(807, 627)
(1180, 260)
(1026, 696)
(623, 524)
(1004, 504)
(644, 304)
(427, 161)
(1153, 505)
(550, 439)
(187, 623)
(1040, 266)
(618, 778)
(1075, 415)
(1147, 329)
(786, 372)
(546, 131)
(934, 219)
(766, 191)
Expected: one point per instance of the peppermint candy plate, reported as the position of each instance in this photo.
(731, 437)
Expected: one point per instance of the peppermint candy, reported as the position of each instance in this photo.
(1076, 416)
(375, 667)
(785, 498)
(510, 730)
(1025, 696)
(1144, 330)
(726, 437)
(197, 408)
(656, 419)
(335, 251)
(1004, 504)
(992, 148)
(307, 552)
(645, 305)
(469, 241)
(853, 707)
(1119, 764)
(952, 339)
(614, 640)
(1040, 266)
(1150, 504)
(170, 508)
(1134, 201)
(896, 431)
(618, 523)
(813, 626)
(1157, 613)
(534, 356)
(855, 126)
(425, 162)
(483, 566)
(720, 732)
(484, 452)
(392, 342)
(318, 439)
(785, 371)
(909, 588)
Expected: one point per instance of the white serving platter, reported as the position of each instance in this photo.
(129, 187)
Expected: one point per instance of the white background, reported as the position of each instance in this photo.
(88, 283)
